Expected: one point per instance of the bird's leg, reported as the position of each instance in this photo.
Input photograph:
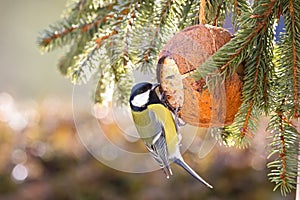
(167, 171)
(177, 120)
(163, 97)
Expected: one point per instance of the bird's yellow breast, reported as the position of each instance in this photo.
(145, 126)
(149, 121)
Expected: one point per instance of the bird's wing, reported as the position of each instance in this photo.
(158, 150)
(165, 118)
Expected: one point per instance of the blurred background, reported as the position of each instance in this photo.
(42, 157)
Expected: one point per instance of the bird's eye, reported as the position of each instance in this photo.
(140, 91)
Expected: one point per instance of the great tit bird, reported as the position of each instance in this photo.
(157, 128)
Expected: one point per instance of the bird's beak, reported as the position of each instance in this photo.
(155, 85)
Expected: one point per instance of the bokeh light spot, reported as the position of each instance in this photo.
(19, 172)
(18, 156)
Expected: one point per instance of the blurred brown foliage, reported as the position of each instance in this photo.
(43, 158)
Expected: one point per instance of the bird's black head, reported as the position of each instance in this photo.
(143, 94)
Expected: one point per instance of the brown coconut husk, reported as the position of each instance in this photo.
(185, 52)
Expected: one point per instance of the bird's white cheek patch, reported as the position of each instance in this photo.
(141, 99)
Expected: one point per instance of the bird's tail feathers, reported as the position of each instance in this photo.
(185, 166)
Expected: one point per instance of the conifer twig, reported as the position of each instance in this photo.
(236, 5)
(294, 56)
(298, 180)
(100, 40)
(148, 52)
(296, 122)
(282, 155)
(217, 15)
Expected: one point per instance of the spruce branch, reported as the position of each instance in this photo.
(215, 12)
(88, 61)
(65, 31)
(241, 8)
(190, 14)
(285, 168)
(251, 100)
(285, 146)
(159, 21)
(104, 85)
(293, 29)
(237, 7)
(216, 20)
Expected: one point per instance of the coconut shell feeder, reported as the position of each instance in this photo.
(196, 105)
